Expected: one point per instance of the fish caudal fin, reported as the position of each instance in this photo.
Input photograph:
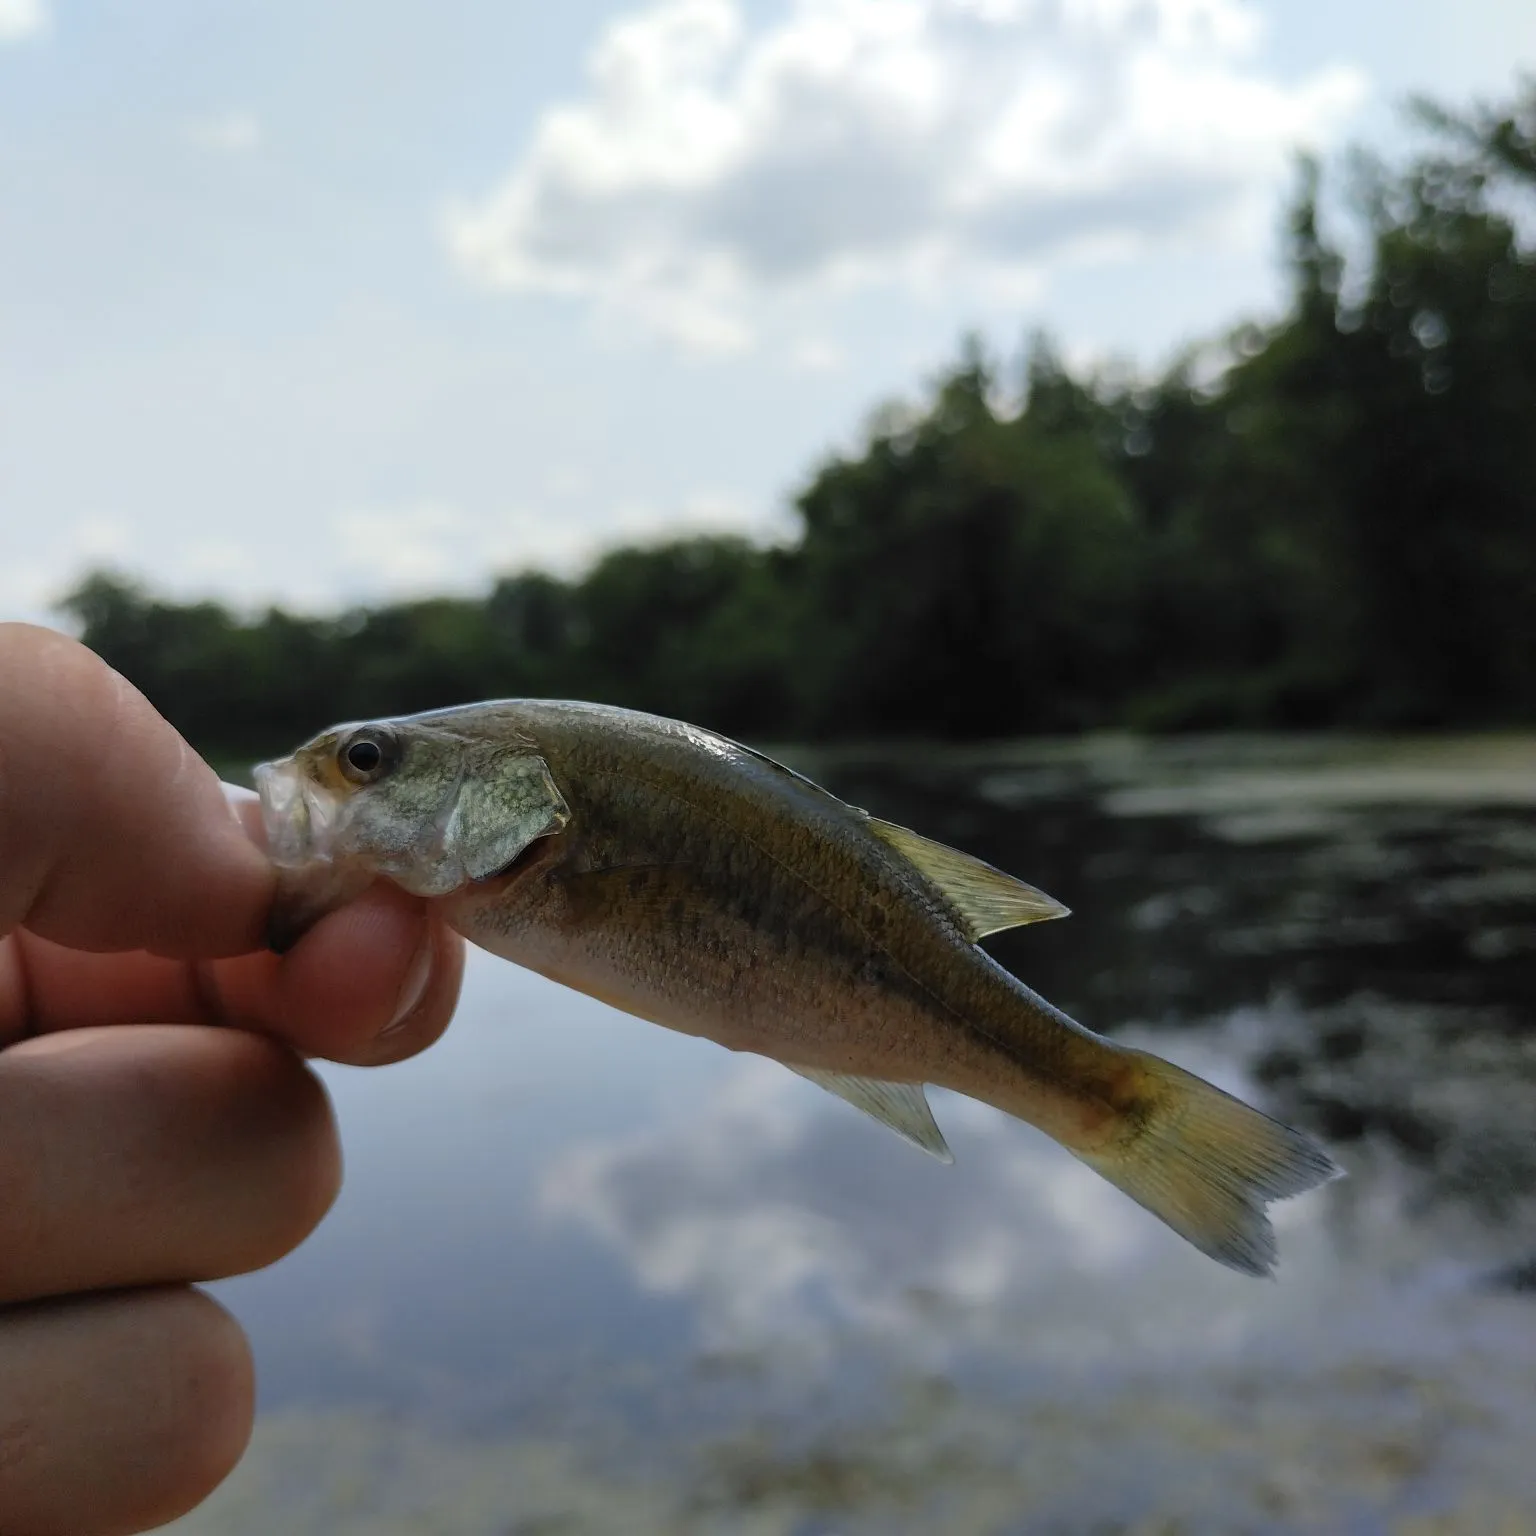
(1208, 1164)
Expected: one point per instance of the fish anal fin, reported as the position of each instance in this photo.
(987, 899)
(902, 1107)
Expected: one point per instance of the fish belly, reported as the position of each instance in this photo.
(802, 992)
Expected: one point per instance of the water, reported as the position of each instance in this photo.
(591, 1276)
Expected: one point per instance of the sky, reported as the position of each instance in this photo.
(341, 303)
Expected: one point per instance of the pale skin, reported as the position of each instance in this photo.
(158, 1125)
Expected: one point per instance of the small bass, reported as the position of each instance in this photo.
(698, 884)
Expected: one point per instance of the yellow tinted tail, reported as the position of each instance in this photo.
(1208, 1164)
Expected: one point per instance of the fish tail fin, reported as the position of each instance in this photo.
(1206, 1163)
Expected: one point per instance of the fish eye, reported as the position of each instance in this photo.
(368, 754)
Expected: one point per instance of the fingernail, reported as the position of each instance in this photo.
(414, 987)
(245, 810)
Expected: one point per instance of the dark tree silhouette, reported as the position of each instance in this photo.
(1327, 521)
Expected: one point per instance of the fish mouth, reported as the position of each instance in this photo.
(298, 816)
(301, 820)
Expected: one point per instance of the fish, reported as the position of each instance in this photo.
(699, 884)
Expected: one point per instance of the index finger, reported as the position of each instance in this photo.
(114, 834)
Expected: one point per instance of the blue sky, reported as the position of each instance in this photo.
(327, 303)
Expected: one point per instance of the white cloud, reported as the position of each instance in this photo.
(814, 354)
(233, 133)
(402, 551)
(427, 548)
(20, 19)
(703, 512)
(371, 553)
(33, 580)
(714, 175)
(1017, 1246)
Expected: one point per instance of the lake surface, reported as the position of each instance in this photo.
(590, 1276)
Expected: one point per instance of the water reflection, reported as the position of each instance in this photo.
(591, 1274)
(438, 1285)
(1018, 1247)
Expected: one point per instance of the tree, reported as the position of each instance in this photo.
(1327, 520)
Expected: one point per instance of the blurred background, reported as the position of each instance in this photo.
(1097, 433)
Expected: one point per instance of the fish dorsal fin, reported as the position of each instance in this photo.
(901, 1106)
(988, 900)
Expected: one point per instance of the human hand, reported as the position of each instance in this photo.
(145, 1143)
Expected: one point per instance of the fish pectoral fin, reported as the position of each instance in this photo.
(901, 1106)
(988, 900)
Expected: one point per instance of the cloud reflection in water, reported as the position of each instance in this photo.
(787, 1221)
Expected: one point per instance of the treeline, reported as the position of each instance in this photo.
(1328, 521)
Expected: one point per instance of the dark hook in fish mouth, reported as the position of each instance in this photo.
(293, 913)
(307, 893)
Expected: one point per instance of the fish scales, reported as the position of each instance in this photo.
(696, 883)
(796, 910)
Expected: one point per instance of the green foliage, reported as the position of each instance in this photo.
(1334, 524)
(971, 574)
